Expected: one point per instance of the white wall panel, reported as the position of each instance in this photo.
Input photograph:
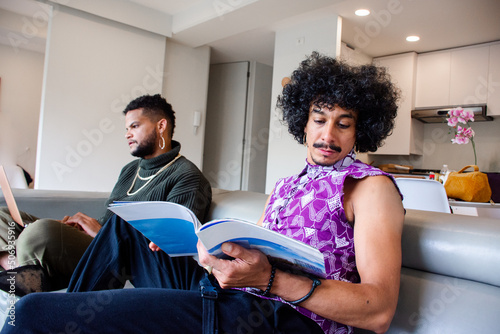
(93, 68)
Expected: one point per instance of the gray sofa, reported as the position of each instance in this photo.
(450, 278)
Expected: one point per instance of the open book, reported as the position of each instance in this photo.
(176, 230)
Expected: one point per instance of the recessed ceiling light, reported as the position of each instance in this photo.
(412, 38)
(362, 12)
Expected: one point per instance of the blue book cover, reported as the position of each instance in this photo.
(176, 230)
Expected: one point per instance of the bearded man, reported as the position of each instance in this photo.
(48, 250)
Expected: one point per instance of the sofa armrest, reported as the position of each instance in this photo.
(454, 245)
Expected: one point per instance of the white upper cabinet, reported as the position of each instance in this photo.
(433, 79)
(468, 75)
(493, 103)
(455, 77)
(402, 71)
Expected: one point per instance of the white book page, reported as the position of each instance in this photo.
(250, 235)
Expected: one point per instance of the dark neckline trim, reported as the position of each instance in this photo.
(161, 160)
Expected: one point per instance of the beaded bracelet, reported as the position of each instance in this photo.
(315, 283)
(271, 280)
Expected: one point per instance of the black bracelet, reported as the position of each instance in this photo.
(315, 283)
(271, 280)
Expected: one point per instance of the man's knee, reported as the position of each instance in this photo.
(40, 232)
(36, 237)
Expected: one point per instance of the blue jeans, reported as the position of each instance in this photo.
(119, 253)
(153, 311)
(166, 299)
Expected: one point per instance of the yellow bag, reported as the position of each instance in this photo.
(470, 187)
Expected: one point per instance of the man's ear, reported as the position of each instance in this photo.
(162, 125)
(285, 81)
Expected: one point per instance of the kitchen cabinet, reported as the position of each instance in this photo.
(494, 81)
(407, 135)
(468, 75)
(433, 79)
(453, 77)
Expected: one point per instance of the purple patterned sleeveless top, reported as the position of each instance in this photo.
(308, 207)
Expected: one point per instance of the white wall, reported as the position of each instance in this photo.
(93, 68)
(128, 12)
(293, 44)
(22, 47)
(438, 149)
(21, 73)
(186, 88)
(354, 57)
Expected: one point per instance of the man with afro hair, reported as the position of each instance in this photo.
(350, 211)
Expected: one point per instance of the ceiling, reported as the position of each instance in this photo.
(244, 29)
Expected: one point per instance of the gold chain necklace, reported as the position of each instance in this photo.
(149, 178)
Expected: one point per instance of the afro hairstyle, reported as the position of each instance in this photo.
(325, 81)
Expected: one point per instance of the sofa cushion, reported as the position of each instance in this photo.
(430, 303)
(453, 245)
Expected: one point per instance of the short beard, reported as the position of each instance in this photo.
(147, 147)
(321, 163)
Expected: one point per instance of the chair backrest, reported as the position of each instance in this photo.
(423, 194)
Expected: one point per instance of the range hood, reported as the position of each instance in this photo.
(439, 114)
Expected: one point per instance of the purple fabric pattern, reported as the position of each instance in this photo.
(309, 207)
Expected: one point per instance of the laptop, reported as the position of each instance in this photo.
(9, 197)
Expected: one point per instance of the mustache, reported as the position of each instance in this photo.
(326, 146)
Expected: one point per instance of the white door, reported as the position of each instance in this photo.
(225, 124)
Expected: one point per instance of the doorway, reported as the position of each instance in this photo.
(237, 125)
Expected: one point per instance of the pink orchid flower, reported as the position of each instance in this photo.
(459, 115)
(453, 121)
(460, 140)
(468, 132)
(462, 134)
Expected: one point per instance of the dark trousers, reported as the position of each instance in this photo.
(166, 299)
(46, 242)
(119, 253)
(152, 311)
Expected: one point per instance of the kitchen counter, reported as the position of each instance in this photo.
(475, 209)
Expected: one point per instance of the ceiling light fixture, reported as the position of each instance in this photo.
(362, 12)
(412, 38)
